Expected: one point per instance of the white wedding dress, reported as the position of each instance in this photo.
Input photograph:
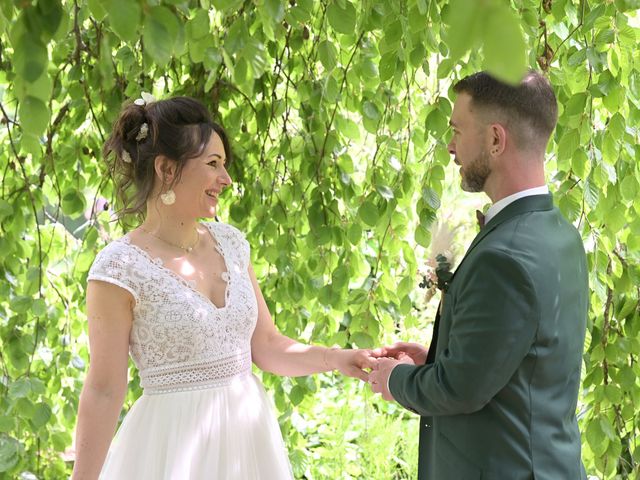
(203, 414)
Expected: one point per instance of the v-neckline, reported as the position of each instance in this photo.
(157, 261)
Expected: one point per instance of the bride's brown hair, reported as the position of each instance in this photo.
(178, 128)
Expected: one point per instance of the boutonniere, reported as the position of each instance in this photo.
(439, 266)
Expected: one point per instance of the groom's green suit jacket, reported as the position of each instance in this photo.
(498, 394)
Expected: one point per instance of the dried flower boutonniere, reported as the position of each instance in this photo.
(439, 266)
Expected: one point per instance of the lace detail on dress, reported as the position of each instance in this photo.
(193, 377)
(176, 329)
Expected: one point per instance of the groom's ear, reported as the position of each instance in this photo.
(497, 139)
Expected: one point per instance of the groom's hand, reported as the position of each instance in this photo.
(415, 351)
(379, 376)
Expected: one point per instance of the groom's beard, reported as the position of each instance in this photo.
(475, 174)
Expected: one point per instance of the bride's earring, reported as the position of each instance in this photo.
(168, 198)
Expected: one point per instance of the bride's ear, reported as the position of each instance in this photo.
(165, 168)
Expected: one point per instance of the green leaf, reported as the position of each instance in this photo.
(594, 433)
(629, 188)
(46, 17)
(354, 234)
(198, 26)
(9, 448)
(370, 111)
(393, 32)
(21, 304)
(224, 5)
(97, 9)
(20, 388)
(579, 162)
(295, 289)
(362, 340)
(39, 307)
(568, 144)
(368, 213)
(7, 423)
(347, 127)
(616, 126)
(385, 192)
(463, 18)
(437, 123)
(124, 17)
(275, 9)
(342, 20)
(610, 150)
(327, 54)
(431, 197)
(254, 54)
(30, 58)
(72, 203)
(5, 209)
(41, 415)
(422, 236)
(387, 66)
(34, 115)
(504, 47)
(296, 395)
(161, 30)
(607, 428)
(576, 105)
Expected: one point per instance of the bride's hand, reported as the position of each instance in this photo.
(352, 363)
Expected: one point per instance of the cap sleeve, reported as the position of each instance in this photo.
(116, 266)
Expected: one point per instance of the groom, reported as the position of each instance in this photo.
(497, 391)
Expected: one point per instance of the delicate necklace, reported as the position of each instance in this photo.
(181, 247)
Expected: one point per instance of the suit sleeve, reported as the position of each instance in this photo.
(493, 326)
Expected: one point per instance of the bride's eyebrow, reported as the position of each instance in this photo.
(216, 155)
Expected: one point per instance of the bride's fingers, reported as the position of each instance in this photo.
(369, 362)
(357, 373)
(379, 352)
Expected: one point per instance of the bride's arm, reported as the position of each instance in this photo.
(276, 353)
(109, 312)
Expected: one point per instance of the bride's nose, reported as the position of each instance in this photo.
(225, 178)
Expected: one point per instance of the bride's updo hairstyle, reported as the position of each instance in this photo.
(178, 128)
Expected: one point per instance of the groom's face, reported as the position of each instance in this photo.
(467, 145)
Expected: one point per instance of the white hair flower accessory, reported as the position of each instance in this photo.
(144, 131)
(145, 99)
(126, 158)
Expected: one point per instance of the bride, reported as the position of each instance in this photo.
(182, 298)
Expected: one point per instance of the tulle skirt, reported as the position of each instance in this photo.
(226, 433)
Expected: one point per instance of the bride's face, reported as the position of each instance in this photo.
(202, 179)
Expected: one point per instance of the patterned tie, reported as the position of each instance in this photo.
(480, 218)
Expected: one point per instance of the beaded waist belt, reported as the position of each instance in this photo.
(195, 376)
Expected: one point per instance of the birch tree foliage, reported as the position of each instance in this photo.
(338, 114)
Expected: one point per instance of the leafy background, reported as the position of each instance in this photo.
(338, 112)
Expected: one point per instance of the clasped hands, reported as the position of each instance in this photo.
(375, 366)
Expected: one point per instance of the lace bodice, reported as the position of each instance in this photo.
(179, 339)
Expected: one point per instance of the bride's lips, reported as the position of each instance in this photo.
(212, 193)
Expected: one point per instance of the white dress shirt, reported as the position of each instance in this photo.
(501, 204)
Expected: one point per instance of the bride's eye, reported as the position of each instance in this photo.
(213, 163)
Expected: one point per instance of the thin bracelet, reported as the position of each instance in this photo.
(324, 357)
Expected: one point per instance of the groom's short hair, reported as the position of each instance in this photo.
(528, 110)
